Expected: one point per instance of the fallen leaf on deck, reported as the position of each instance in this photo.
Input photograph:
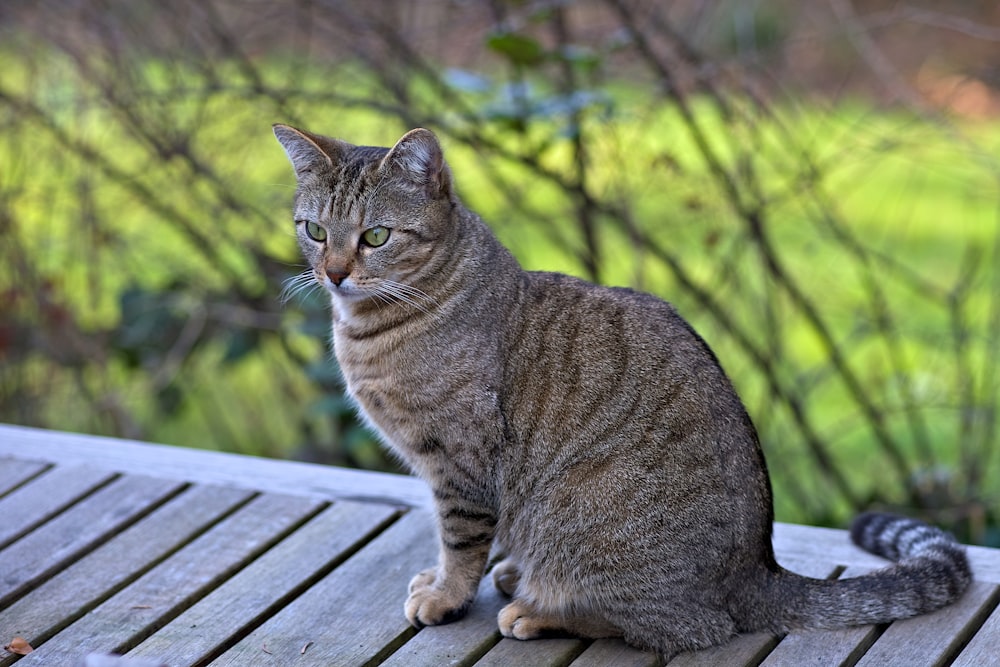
(19, 646)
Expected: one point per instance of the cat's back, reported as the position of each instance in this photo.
(584, 331)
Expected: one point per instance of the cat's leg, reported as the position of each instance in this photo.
(506, 576)
(444, 593)
(524, 620)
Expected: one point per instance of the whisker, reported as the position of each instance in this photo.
(390, 291)
(412, 294)
(381, 295)
(406, 294)
(380, 299)
(298, 286)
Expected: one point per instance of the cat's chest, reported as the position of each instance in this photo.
(391, 384)
(412, 391)
(377, 385)
(385, 401)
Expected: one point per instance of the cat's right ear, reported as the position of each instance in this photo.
(308, 152)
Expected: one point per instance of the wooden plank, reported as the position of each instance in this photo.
(985, 646)
(534, 652)
(45, 496)
(748, 649)
(60, 541)
(80, 587)
(353, 615)
(825, 545)
(816, 569)
(604, 652)
(793, 543)
(256, 592)
(14, 472)
(456, 643)
(173, 585)
(106, 660)
(824, 647)
(934, 638)
(211, 467)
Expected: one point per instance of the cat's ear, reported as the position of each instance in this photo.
(418, 158)
(309, 152)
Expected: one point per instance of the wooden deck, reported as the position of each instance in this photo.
(189, 557)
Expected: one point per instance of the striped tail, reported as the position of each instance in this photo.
(931, 570)
(928, 552)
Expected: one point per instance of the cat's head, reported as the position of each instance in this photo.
(370, 221)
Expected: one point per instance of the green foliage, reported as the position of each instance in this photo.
(842, 261)
(519, 49)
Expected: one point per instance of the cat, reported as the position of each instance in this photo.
(584, 435)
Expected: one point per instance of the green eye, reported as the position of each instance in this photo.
(375, 236)
(315, 232)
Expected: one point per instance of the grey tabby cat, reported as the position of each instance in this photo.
(586, 433)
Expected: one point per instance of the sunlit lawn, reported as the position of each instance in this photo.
(906, 189)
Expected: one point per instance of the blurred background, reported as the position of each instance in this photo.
(815, 185)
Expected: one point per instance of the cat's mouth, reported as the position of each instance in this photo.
(342, 286)
(382, 291)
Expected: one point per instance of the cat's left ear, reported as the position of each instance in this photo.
(418, 158)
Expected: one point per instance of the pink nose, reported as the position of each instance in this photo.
(336, 276)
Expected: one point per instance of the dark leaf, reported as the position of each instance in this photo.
(519, 49)
(170, 399)
(241, 343)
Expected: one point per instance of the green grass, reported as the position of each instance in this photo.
(907, 191)
(906, 188)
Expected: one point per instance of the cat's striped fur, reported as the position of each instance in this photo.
(587, 433)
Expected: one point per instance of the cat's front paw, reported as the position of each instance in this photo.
(423, 580)
(431, 603)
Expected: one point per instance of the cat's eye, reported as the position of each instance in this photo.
(375, 236)
(315, 232)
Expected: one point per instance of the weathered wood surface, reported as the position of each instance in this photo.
(209, 467)
(182, 557)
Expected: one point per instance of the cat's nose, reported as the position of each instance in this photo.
(336, 276)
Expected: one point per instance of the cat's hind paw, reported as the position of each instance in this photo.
(519, 620)
(506, 576)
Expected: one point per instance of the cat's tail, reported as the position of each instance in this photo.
(931, 571)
